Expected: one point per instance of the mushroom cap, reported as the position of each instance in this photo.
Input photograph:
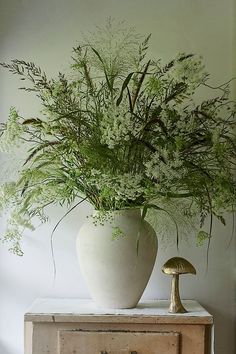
(178, 265)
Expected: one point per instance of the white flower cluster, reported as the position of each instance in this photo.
(178, 120)
(127, 186)
(7, 192)
(117, 125)
(165, 171)
(190, 70)
(12, 133)
(121, 187)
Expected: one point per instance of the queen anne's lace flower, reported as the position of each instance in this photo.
(13, 131)
(165, 168)
(121, 187)
(190, 71)
(117, 125)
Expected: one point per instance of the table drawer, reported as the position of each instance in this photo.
(117, 342)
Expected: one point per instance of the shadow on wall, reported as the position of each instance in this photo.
(224, 327)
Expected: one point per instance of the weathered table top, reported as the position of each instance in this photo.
(83, 310)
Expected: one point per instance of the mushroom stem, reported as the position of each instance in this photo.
(175, 303)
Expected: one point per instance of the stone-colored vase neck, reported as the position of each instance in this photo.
(135, 212)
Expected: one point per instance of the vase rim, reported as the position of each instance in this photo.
(136, 210)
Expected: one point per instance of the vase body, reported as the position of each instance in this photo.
(116, 271)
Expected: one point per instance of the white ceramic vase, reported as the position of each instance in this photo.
(115, 270)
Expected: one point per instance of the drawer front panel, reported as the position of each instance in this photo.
(91, 342)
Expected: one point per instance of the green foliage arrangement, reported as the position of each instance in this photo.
(121, 130)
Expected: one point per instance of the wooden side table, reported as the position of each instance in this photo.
(73, 326)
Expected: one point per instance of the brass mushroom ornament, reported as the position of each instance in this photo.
(176, 266)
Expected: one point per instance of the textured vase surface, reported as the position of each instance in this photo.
(115, 269)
